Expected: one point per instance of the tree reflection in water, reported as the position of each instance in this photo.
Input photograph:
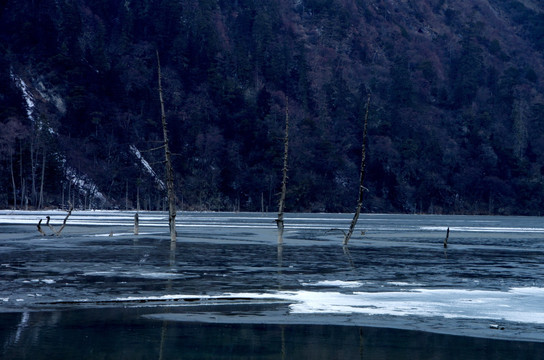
(125, 334)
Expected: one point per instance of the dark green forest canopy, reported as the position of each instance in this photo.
(456, 122)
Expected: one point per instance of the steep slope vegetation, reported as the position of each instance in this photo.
(456, 122)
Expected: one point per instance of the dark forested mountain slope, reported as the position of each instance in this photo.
(456, 121)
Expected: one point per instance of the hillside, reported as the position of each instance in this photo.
(456, 120)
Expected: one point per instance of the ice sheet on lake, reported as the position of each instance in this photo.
(517, 304)
(135, 274)
(336, 283)
(521, 305)
(487, 229)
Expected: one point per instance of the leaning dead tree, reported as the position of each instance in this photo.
(347, 236)
(279, 220)
(53, 230)
(168, 165)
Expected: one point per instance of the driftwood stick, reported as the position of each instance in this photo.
(50, 226)
(40, 227)
(64, 222)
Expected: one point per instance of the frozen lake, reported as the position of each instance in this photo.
(228, 272)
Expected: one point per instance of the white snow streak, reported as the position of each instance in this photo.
(85, 185)
(517, 304)
(29, 99)
(147, 167)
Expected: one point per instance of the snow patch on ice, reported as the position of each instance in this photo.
(517, 304)
(486, 229)
(149, 275)
(336, 283)
(402, 283)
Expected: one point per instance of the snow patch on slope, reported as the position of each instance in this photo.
(147, 166)
(30, 101)
(85, 186)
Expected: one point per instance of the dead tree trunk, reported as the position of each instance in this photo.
(23, 187)
(13, 182)
(169, 170)
(66, 218)
(40, 227)
(136, 216)
(33, 166)
(279, 220)
(40, 203)
(50, 226)
(53, 230)
(361, 179)
(136, 224)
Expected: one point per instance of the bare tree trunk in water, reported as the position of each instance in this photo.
(40, 204)
(13, 182)
(138, 195)
(48, 223)
(40, 227)
(33, 193)
(279, 220)
(361, 179)
(136, 224)
(23, 187)
(169, 171)
(136, 216)
(66, 218)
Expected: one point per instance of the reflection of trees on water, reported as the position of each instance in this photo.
(172, 263)
(124, 333)
(26, 330)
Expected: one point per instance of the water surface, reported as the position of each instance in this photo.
(227, 271)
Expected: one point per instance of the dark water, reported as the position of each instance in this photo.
(125, 334)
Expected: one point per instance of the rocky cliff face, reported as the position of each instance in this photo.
(456, 122)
